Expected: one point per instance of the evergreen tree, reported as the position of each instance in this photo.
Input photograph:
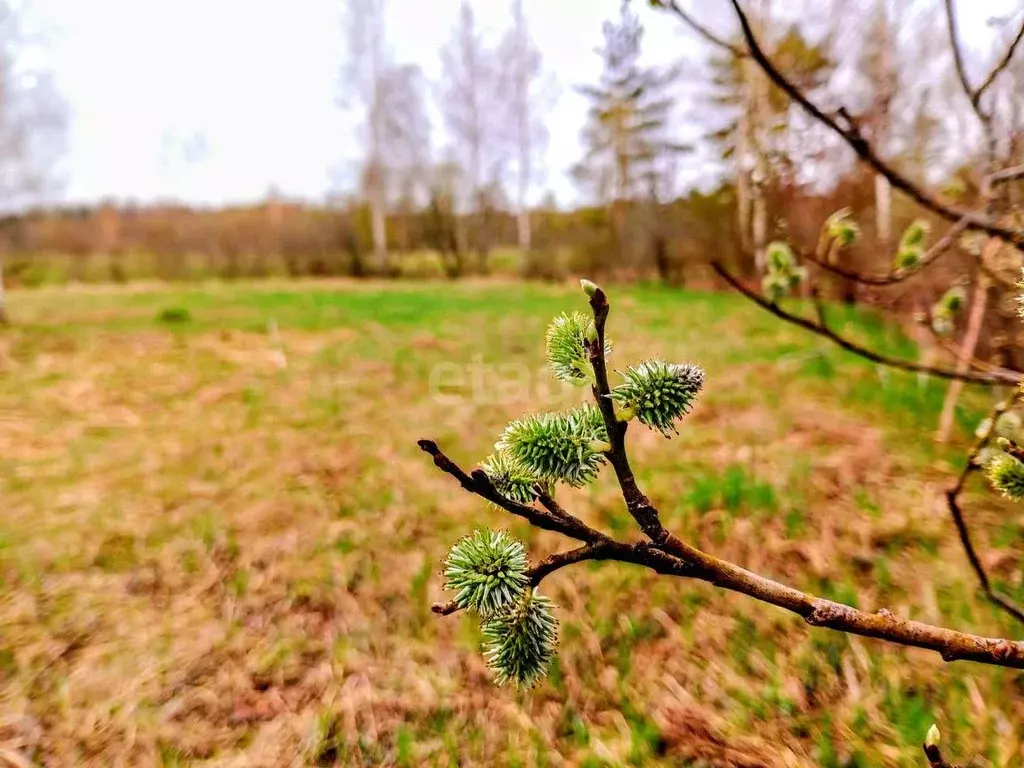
(627, 137)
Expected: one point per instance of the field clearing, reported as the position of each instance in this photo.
(219, 541)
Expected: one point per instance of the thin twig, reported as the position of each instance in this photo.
(819, 306)
(958, 62)
(934, 755)
(854, 138)
(1007, 174)
(948, 345)
(1003, 63)
(479, 484)
(706, 33)
(973, 96)
(994, 597)
(952, 502)
(638, 505)
(604, 548)
(1002, 377)
(932, 255)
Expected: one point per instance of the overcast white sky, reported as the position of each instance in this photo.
(258, 81)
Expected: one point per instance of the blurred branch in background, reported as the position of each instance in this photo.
(996, 377)
(994, 217)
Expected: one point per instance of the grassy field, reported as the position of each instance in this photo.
(219, 543)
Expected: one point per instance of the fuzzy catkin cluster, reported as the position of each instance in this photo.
(947, 308)
(840, 227)
(566, 347)
(783, 274)
(488, 570)
(911, 247)
(511, 479)
(659, 393)
(520, 642)
(1006, 474)
(558, 447)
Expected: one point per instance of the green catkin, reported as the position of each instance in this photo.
(565, 346)
(558, 447)
(659, 393)
(1006, 474)
(510, 479)
(486, 570)
(520, 642)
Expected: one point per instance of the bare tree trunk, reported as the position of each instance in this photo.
(379, 227)
(523, 227)
(883, 209)
(970, 342)
(743, 180)
(759, 221)
(4, 319)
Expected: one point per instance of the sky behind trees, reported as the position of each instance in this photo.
(211, 101)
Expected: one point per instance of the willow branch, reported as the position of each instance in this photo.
(819, 307)
(478, 483)
(851, 134)
(1003, 63)
(970, 377)
(948, 345)
(958, 62)
(998, 599)
(971, 466)
(1012, 173)
(638, 505)
(640, 553)
(951, 644)
(932, 255)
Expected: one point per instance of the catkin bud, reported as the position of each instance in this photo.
(659, 393)
(521, 640)
(487, 570)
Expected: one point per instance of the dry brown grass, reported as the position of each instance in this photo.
(212, 557)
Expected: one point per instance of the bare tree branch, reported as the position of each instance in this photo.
(994, 597)
(851, 134)
(950, 346)
(973, 96)
(1003, 63)
(478, 483)
(958, 62)
(1007, 174)
(932, 255)
(952, 501)
(604, 549)
(994, 378)
(638, 505)
(704, 32)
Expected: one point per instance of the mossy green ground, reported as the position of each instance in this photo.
(220, 543)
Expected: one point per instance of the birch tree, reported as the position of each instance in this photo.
(527, 94)
(473, 106)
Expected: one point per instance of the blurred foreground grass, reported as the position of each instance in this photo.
(219, 542)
